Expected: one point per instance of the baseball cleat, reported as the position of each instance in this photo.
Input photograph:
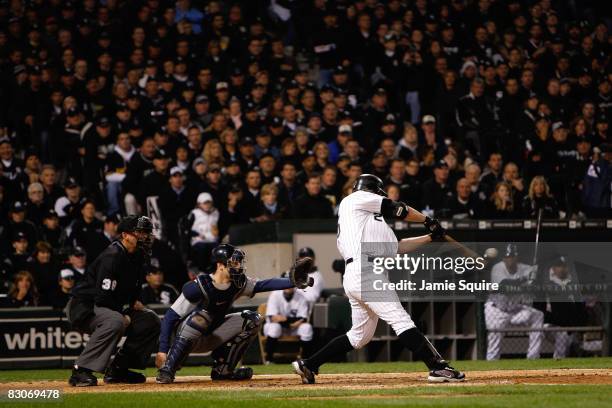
(164, 377)
(82, 378)
(239, 374)
(445, 374)
(118, 376)
(308, 375)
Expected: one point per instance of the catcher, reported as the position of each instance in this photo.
(200, 322)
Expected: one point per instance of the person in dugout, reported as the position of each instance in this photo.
(106, 306)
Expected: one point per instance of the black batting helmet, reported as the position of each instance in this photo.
(371, 183)
(511, 250)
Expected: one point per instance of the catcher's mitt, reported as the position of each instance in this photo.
(298, 274)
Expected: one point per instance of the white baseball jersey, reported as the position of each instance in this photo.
(278, 305)
(360, 220)
(500, 272)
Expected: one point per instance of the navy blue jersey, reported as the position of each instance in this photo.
(203, 295)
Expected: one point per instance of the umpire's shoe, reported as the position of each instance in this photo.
(82, 377)
(164, 377)
(300, 368)
(123, 376)
(239, 374)
(445, 373)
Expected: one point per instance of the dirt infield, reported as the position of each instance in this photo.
(373, 381)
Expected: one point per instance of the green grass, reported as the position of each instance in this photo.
(471, 365)
(468, 396)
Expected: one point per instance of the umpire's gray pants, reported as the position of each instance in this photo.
(106, 328)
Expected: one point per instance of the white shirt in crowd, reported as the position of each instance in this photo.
(203, 225)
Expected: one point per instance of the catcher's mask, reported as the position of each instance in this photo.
(234, 259)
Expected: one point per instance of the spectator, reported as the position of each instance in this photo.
(539, 198)
(492, 173)
(140, 165)
(48, 179)
(329, 186)
(77, 262)
(267, 167)
(44, 270)
(19, 257)
(205, 229)
(17, 223)
(337, 146)
(501, 203)
(287, 312)
(288, 190)
(50, 230)
(463, 204)
(408, 145)
(596, 185)
(156, 291)
(61, 293)
(115, 170)
(36, 206)
(312, 204)
(474, 116)
(67, 206)
(269, 208)
(154, 183)
(23, 291)
(175, 201)
(437, 190)
(86, 231)
(513, 179)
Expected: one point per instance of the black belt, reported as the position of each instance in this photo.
(350, 260)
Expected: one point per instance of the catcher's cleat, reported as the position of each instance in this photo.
(308, 375)
(239, 374)
(164, 377)
(82, 377)
(445, 374)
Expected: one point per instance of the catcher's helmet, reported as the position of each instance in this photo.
(371, 183)
(306, 251)
(234, 259)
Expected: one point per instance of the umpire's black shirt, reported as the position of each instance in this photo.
(113, 280)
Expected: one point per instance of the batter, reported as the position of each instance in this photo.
(360, 220)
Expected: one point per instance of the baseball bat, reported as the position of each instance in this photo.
(465, 250)
(537, 237)
(534, 271)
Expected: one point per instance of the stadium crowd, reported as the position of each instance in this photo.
(212, 114)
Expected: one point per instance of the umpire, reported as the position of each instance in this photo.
(105, 305)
